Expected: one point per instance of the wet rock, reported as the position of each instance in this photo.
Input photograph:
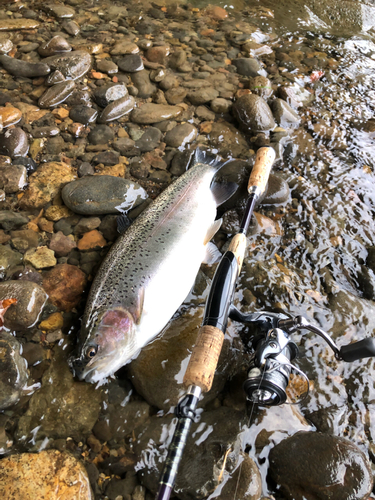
(45, 184)
(18, 24)
(220, 105)
(40, 257)
(13, 371)
(61, 244)
(247, 67)
(101, 134)
(8, 259)
(313, 465)
(24, 239)
(31, 299)
(158, 54)
(10, 220)
(123, 487)
(60, 11)
(141, 80)
(13, 179)
(64, 477)
(154, 113)
(119, 421)
(5, 46)
(181, 135)
(14, 142)
(124, 47)
(62, 407)
(131, 63)
(227, 140)
(204, 113)
(83, 114)
(17, 67)
(56, 94)
(243, 482)
(116, 109)
(108, 93)
(277, 191)
(149, 140)
(10, 115)
(203, 455)
(72, 65)
(202, 96)
(261, 86)
(87, 224)
(124, 145)
(110, 158)
(284, 115)
(55, 45)
(64, 284)
(71, 27)
(253, 113)
(29, 163)
(167, 355)
(175, 95)
(106, 195)
(91, 240)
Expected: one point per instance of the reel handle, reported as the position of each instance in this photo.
(362, 349)
(262, 168)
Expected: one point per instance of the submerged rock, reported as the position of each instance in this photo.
(17, 67)
(154, 113)
(65, 285)
(117, 109)
(104, 194)
(254, 114)
(72, 65)
(56, 94)
(48, 474)
(31, 299)
(14, 142)
(310, 465)
(13, 371)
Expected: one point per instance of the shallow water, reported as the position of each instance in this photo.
(318, 264)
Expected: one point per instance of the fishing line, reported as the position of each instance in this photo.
(248, 425)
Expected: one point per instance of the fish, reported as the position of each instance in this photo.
(150, 270)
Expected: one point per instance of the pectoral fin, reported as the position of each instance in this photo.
(212, 230)
(212, 254)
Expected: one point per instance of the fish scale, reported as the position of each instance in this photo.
(147, 274)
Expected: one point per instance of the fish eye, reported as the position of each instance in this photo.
(91, 351)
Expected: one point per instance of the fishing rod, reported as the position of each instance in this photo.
(204, 358)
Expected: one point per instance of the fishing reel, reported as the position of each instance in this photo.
(271, 367)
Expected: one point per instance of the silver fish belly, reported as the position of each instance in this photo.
(147, 274)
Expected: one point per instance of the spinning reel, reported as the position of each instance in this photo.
(271, 367)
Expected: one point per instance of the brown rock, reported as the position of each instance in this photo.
(48, 474)
(61, 244)
(90, 240)
(65, 285)
(52, 323)
(216, 13)
(45, 225)
(10, 115)
(4, 238)
(57, 212)
(40, 257)
(158, 54)
(45, 184)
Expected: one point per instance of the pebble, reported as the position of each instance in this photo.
(60, 11)
(71, 27)
(227, 140)
(72, 65)
(91, 240)
(40, 258)
(107, 66)
(10, 115)
(64, 284)
(261, 86)
(131, 63)
(61, 245)
(83, 114)
(18, 24)
(254, 114)
(10, 220)
(31, 299)
(158, 54)
(87, 224)
(13, 374)
(14, 142)
(284, 115)
(311, 461)
(101, 134)
(220, 105)
(141, 80)
(54, 45)
(247, 67)
(149, 141)
(13, 179)
(107, 195)
(8, 259)
(107, 93)
(26, 69)
(202, 96)
(124, 47)
(117, 109)
(5, 46)
(124, 145)
(24, 239)
(181, 135)
(56, 94)
(46, 183)
(64, 477)
(154, 113)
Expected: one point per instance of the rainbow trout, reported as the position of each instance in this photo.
(149, 271)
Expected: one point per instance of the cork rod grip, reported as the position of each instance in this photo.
(262, 168)
(204, 358)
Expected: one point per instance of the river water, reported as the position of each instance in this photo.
(313, 253)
